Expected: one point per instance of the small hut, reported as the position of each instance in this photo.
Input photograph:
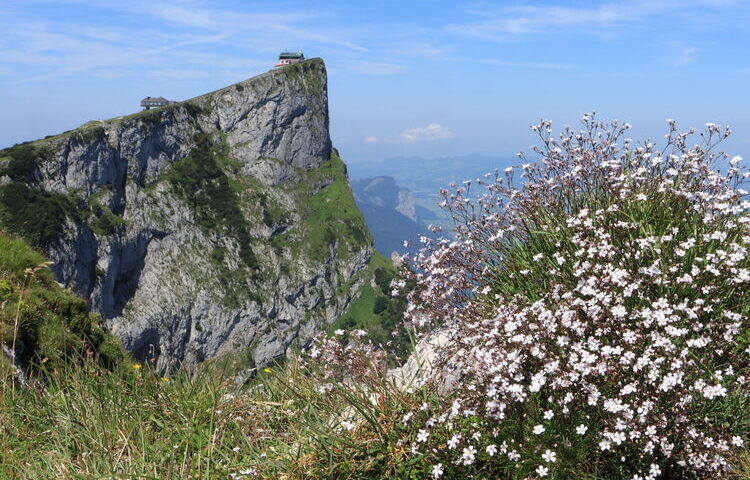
(287, 58)
(154, 102)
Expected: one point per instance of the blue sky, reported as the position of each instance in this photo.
(406, 78)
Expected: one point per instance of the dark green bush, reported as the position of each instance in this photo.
(34, 214)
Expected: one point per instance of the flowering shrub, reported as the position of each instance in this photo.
(598, 311)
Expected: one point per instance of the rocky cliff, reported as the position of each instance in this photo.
(222, 224)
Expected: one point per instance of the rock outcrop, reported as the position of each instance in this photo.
(222, 224)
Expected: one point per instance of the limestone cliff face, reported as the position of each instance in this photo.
(223, 224)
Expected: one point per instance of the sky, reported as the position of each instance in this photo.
(406, 78)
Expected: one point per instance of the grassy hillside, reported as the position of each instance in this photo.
(47, 324)
(377, 312)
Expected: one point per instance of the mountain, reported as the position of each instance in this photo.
(390, 212)
(424, 177)
(222, 224)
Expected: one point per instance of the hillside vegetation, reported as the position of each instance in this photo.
(44, 323)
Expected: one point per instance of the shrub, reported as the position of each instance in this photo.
(598, 312)
(35, 214)
(107, 223)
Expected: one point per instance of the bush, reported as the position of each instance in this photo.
(381, 305)
(35, 214)
(598, 312)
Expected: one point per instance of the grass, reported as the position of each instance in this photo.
(334, 208)
(130, 423)
(376, 311)
(47, 323)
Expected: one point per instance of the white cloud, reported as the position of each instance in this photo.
(682, 55)
(180, 73)
(433, 131)
(371, 139)
(607, 18)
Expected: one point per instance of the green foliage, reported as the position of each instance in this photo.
(376, 311)
(331, 216)
(35, 214)
(201, 426)
(107, 223)
(201, 182)
(21, 163)
(381, 305)
(50, 323)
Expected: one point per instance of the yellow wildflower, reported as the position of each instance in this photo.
(267, 370)
(136, 366)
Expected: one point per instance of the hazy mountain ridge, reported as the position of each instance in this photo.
(424, 177)
(391, 213)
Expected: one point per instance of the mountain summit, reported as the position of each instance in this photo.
(220, 224)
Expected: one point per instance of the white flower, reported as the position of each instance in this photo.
(349, 426)
(542, 471)
(453, 442)
(468, 455)
(548, 415)
(737, 441)
(619, 311)
(549, 456)
(339, 332)
(422, 436)
(491, 450)
(437, 470)
(538, 430)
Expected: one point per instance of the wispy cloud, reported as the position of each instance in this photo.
(371, 139)
(433, 131)
(509, 22)
(166, 40)
(542, 65)
(681, 55)
(371, 67)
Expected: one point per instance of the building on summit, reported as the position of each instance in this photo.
(287, 58)
(154, 102)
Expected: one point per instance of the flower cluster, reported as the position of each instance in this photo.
(344, 358)
(600, 307)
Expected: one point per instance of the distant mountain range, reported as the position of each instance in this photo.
(390, 213)
(429, 174)
(423, 178)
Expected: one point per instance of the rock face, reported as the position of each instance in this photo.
(222, 224)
